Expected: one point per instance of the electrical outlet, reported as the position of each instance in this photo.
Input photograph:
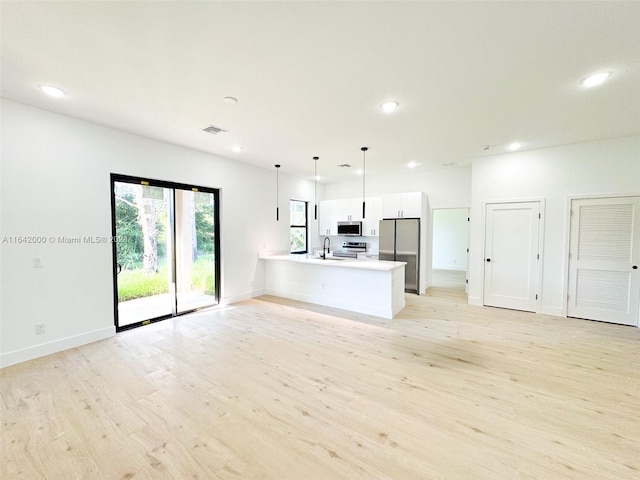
(40, 328)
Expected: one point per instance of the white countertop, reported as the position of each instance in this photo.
(379, 265)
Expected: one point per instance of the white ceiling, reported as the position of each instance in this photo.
(310, 76)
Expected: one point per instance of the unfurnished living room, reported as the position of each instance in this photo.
(320, 240)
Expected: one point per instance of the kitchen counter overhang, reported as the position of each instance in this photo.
(363, 286)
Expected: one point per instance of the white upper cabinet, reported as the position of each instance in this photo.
(349, 210)
(373, 216)
(403, 205)
(328, 217)
(396, 205)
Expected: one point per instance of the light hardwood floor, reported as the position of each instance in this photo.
(455, 279)
(276, 389)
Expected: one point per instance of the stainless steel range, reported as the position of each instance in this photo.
(350, 249)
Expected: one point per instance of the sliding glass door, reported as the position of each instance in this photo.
(195, 249)
(165, 249)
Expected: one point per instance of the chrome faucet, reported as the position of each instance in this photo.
(326, 244)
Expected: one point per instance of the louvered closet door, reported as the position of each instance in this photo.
(604, 260)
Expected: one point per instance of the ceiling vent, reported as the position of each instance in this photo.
(212, 129)
(344, 165)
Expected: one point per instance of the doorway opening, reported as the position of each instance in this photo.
(450, 248)
(165, 249)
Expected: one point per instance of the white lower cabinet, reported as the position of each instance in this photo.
(372, 288)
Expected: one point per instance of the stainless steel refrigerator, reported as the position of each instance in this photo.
(400, 242)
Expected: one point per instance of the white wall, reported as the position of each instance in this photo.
(445, 188)
(450, 235)
(55, 181)
(606, 167)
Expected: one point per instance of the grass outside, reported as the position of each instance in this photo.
(134, 284)
(202, 278)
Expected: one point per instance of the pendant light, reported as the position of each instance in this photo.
(315, 186)
(364, 170)
(277, 193)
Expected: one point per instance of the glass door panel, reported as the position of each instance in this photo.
(143, 252)
(195, 249)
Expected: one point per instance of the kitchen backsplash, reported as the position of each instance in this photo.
(336, 242)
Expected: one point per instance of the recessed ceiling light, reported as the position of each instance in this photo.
(52, 91)
(596, 79)
(230, 100)
(514, 146)
(237, 148)
(412, 164)
(359, 171)
(389, 106)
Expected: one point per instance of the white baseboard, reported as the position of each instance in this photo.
(257, 293)
(456, 268)
(449, 284)
(242, 296)
(553, 311)
(545, 310)
(477, 301)
(19, 356)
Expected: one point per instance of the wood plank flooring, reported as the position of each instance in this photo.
(277, 389)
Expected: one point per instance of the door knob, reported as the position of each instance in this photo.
(488, 259)
(635, 267)
(118, 268)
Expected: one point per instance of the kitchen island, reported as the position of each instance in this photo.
(364, 286)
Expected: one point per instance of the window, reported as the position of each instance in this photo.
(298, 226)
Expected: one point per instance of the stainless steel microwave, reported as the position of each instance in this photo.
(352, 229)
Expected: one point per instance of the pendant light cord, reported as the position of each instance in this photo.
(364, 172)
(315, 186)
(277, 193)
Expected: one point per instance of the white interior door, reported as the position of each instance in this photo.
(511, 255)
(604, 256)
